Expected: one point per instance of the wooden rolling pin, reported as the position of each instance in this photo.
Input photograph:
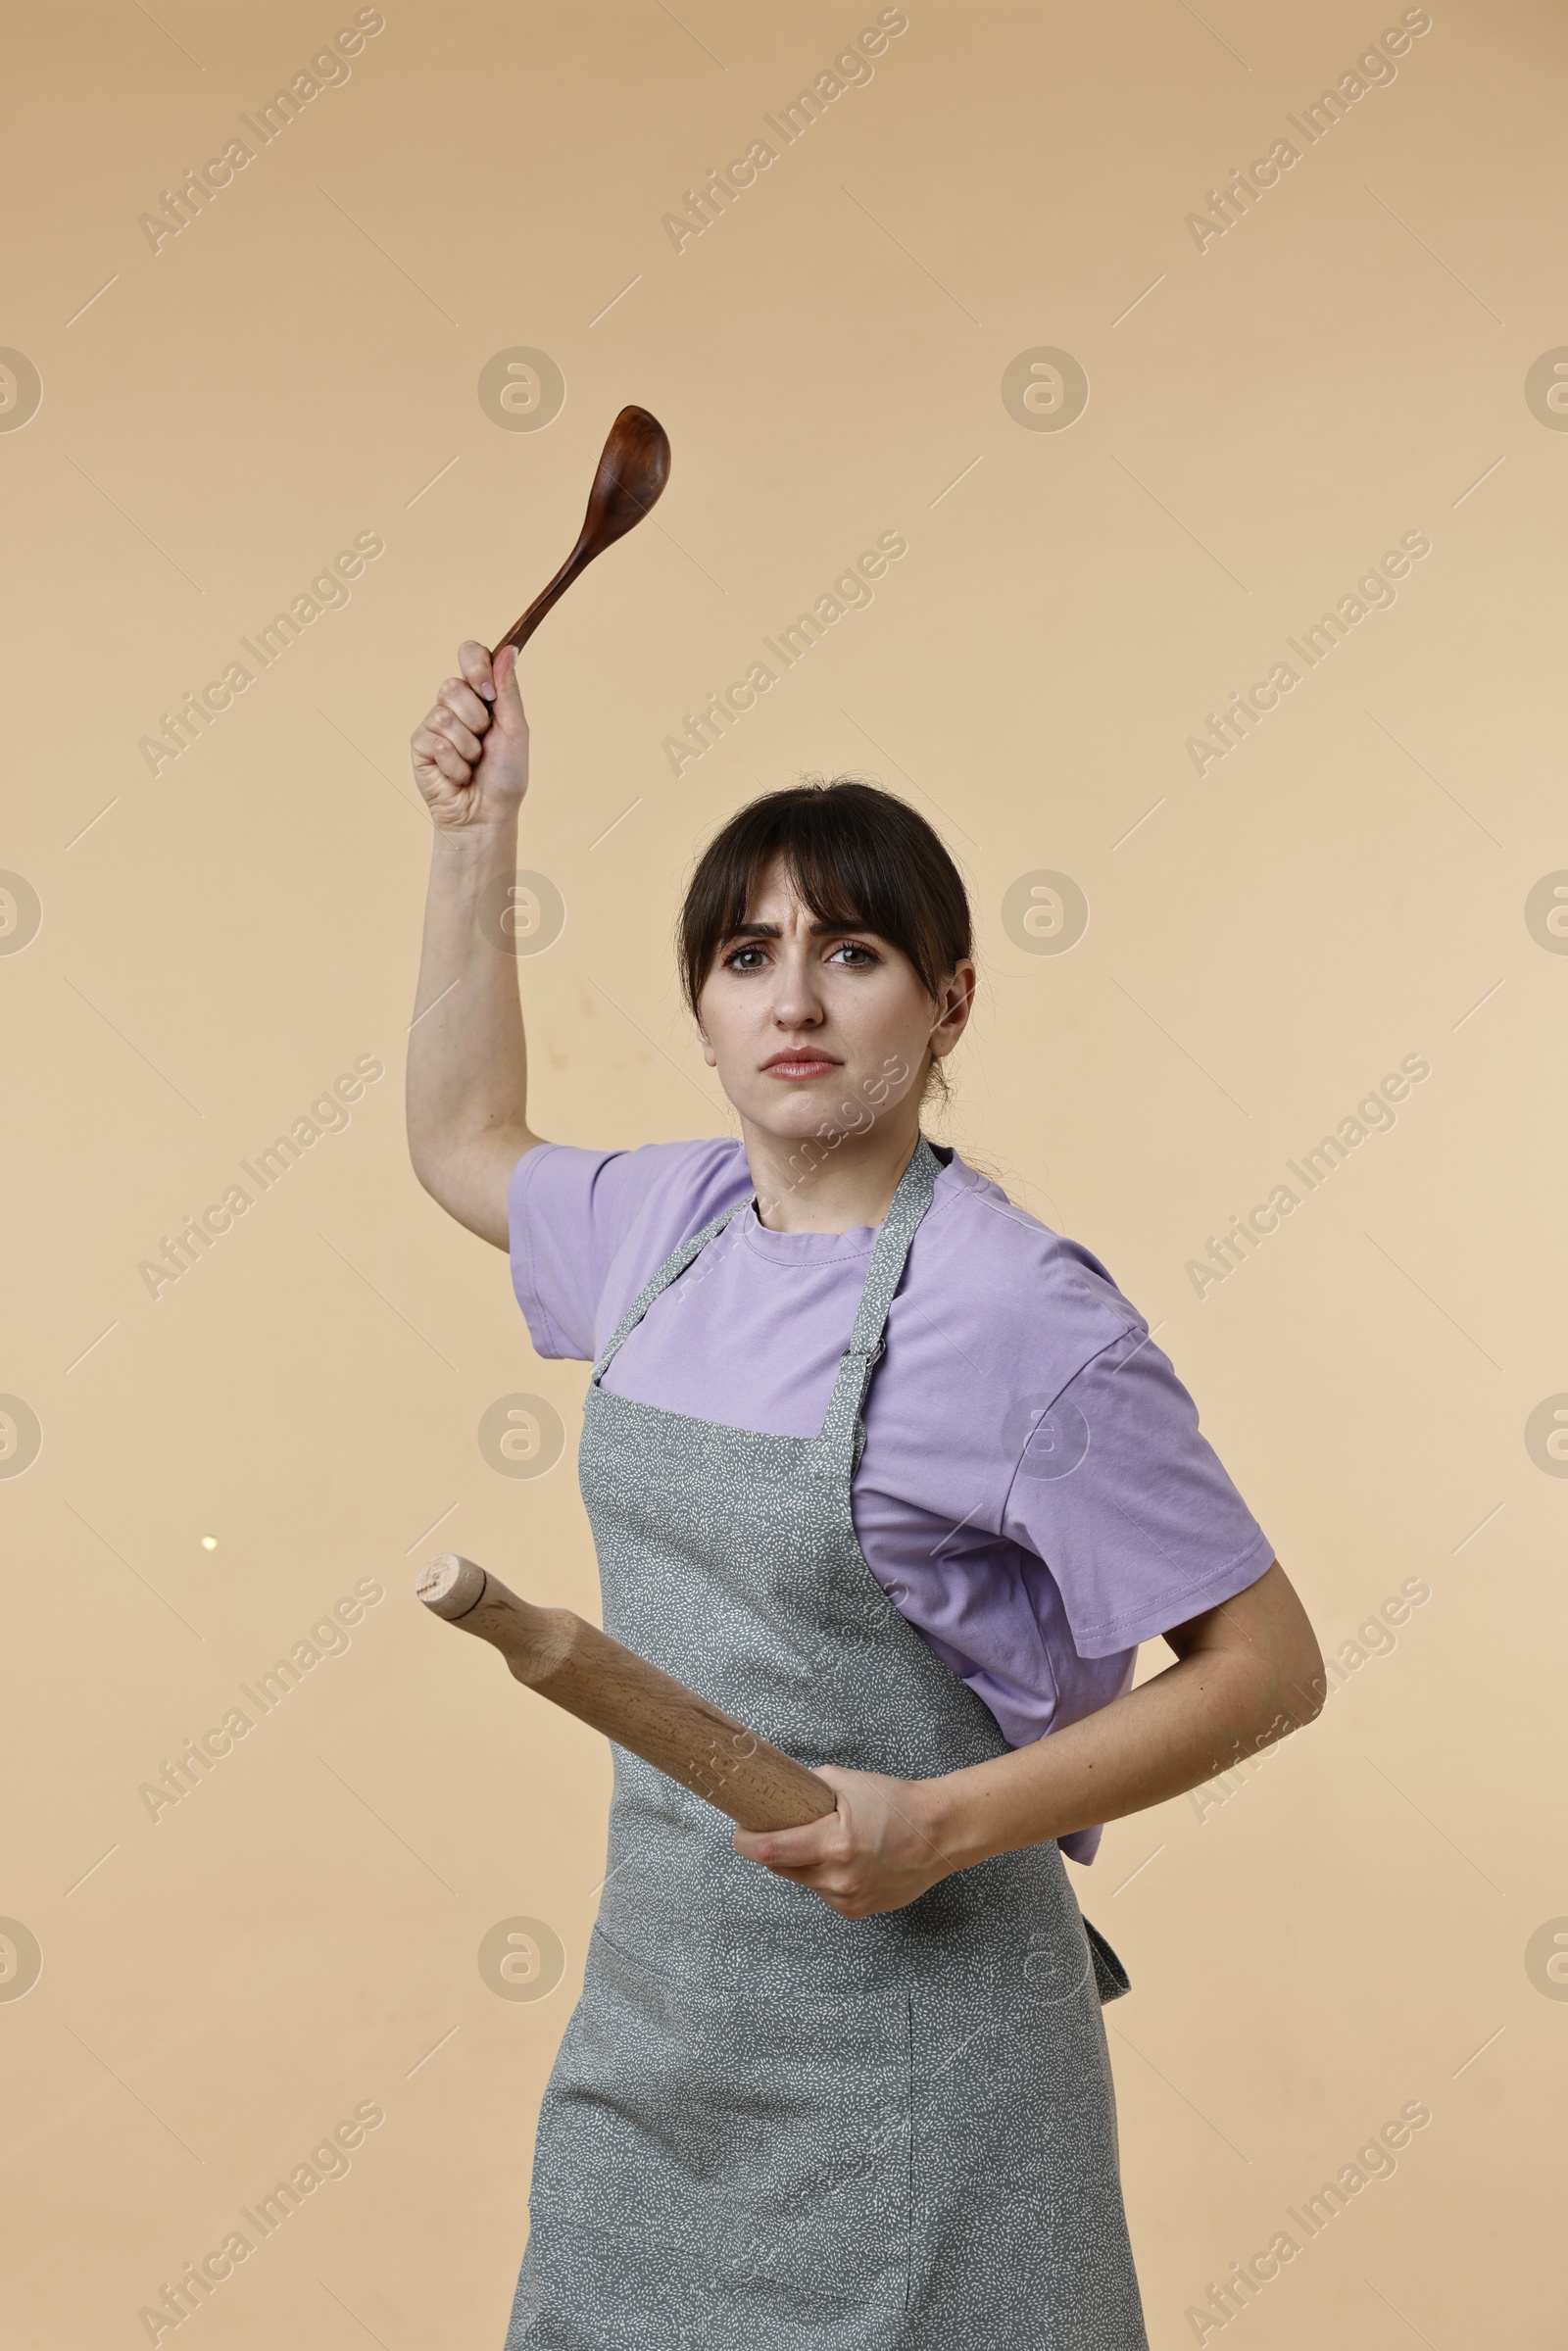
(577, 1666)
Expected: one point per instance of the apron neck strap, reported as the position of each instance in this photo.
(886, 1270)
(673, 1267)
(842, 1435)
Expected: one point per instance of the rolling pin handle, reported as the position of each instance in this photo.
(450, 1586)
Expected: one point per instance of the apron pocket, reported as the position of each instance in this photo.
(733, 2155)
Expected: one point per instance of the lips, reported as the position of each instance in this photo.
(806, 1062)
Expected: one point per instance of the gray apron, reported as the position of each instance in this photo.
(770, 2128)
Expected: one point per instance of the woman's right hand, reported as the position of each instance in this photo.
(471, 750)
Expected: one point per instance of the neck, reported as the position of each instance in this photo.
(830, 1186)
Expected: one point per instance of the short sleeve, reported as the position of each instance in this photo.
(1127, 1502)
(575, 1214)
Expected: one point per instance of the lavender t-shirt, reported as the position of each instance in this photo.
(1035, 1496)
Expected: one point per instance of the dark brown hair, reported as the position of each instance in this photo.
(858, 856)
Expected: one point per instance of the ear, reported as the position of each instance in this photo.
(709, 1054)
(954, 1007)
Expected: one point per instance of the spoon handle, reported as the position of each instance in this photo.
(522, 628)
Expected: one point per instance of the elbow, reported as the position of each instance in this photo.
(1301, 1686)
(433, 1171)
(470, 1178)
(1287, 1687)
(430, 1170)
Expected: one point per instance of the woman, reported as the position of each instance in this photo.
(896, 1476)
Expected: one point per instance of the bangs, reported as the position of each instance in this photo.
(856, 855)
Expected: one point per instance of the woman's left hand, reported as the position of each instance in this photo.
(877, 1850)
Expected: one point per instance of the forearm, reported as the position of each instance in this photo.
(467, 1057)
(1171, 1733)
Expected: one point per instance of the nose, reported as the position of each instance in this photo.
(797, 1001)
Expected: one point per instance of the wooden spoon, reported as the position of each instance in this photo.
(632, 472)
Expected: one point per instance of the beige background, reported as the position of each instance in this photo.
(1349, 1930)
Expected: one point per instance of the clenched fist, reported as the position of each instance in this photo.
(470, 751)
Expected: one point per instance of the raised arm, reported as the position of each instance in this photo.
(467, 1075)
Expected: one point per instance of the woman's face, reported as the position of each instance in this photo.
(817, 1030)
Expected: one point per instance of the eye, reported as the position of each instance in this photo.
(751, 957)
(854, 955)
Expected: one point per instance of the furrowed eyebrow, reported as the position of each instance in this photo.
(817, 930)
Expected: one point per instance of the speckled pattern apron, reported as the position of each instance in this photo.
(770, 2128)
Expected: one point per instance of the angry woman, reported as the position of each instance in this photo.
(890, 1471)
